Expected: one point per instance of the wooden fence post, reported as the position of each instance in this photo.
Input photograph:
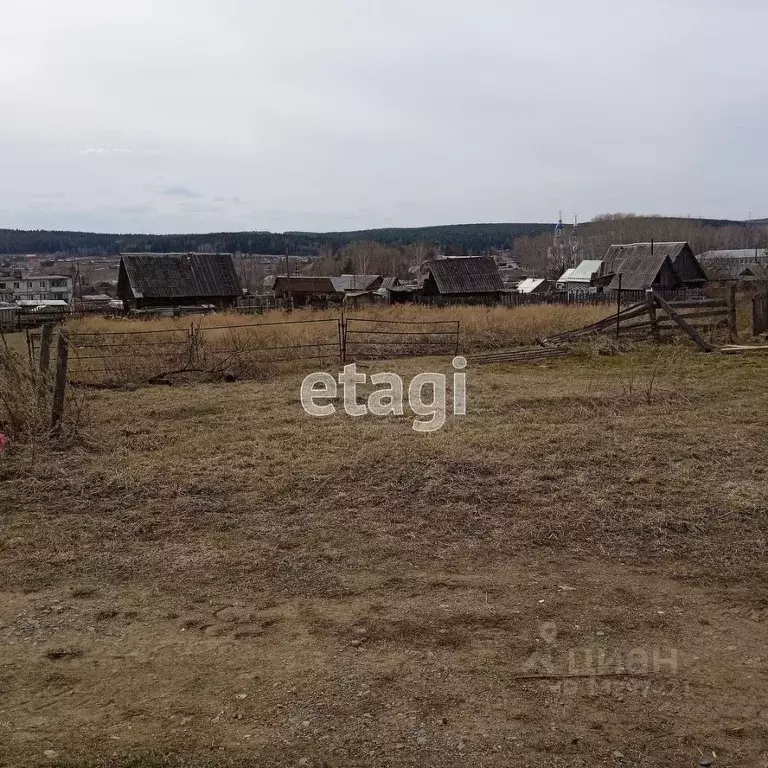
(760, 314)
(60, 383)
(733, 322)
(46, 336)
(651, 299)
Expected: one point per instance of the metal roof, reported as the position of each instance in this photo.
(477, 274)
(530, 284)
(179, 275)
(748, 254)
(566, 275)
(585, 271)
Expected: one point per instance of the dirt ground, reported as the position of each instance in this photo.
(572, 574)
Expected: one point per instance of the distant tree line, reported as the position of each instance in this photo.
(461, 239)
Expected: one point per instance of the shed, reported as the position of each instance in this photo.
(305, 290)
(177, 279)
(472, 278)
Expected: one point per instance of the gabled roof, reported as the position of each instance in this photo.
(530, 284)
(355, 282)
(754, 270)
(617, 253)
(639, 263)
(585, 271)
(178, 275)
(306, 284)
(566, 275)
(478, 274)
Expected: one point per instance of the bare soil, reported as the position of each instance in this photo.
(212, 577)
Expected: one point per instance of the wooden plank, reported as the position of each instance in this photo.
(680, 320)
(732, 349)
(695, 304)
(722, 314)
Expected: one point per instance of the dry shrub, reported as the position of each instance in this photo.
(20, 412)
(24, 414)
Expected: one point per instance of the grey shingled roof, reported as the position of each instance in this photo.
(639, 263)
(355, 282)
(472, 275)
(179, 275)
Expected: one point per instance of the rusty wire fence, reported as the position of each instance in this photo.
(247, 349)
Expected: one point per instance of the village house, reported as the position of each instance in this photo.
(734, 263)
(638, 266)
(464, 280)
(150, 280)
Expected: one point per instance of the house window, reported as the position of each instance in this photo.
(41, 284)
(29, 284)
(2, 286)
(16, 285)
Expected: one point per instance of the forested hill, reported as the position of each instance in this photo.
(528, 240)
(458, 238)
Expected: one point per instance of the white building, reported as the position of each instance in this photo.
(37, 288)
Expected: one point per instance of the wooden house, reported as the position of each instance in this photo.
(152, 280)
(471, 280)
(667, 266)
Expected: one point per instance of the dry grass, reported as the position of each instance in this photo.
(25, 409)
(481, 327)
(232, 578)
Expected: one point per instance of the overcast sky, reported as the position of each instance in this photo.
(202, 115)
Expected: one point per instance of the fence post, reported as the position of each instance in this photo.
(343, 338)
(649, 297)
(60, 384)
(733, 322)
(46, 336)
(618, 309)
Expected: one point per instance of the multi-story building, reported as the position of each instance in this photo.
(36, 288)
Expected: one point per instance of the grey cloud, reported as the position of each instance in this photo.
(483, 111)
(179, 190)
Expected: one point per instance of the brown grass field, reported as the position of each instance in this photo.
(207, 576)
(203, 575)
